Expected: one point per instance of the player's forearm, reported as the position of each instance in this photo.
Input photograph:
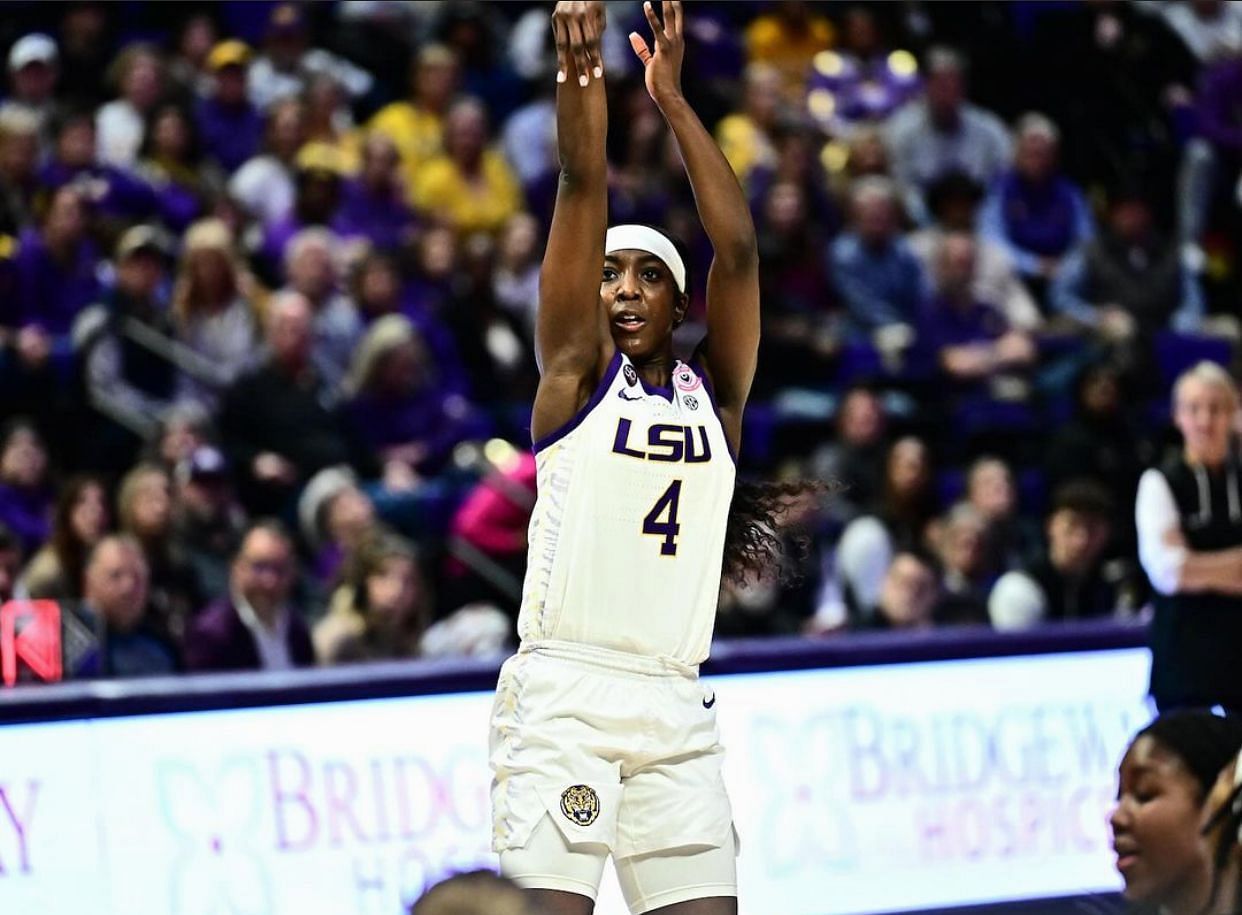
(722, 206)
(581, 134)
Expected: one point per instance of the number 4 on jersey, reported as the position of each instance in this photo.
(668, 529)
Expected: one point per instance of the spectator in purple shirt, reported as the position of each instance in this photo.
(255, 627)
(25, 497)
(377, 290)
(318, 172)
(398, 408)
(230, 125)
(972, 340)
(373, 204)
(116, 196)
(57, 269)
(1033, 211)
(1213, 159)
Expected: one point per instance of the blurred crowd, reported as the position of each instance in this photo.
(268, 276)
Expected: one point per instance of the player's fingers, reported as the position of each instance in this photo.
(560, 38)
(577, 50)
(667, 10)
(677, 23)
(653, 20)
(595, 57)
(640, 48)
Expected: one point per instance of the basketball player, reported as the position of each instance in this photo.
(603, 739)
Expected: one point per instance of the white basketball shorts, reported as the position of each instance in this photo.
(597, 752)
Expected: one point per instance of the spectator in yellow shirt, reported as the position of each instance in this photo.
(470, 187)
(416, 125)
(745, 137)
(789, 37)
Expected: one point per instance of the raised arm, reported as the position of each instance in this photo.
(733, 281)
(570, 344)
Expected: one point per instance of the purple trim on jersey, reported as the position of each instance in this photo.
(666, 393)
(701, 371)
(601, 389)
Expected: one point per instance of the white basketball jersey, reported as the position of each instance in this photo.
(627, 536)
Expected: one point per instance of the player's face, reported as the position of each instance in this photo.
(640, 296)
(1160, 854)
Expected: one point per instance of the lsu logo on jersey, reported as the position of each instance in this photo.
(665, 442)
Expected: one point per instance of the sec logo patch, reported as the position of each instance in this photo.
(691, 401)
(631, 376)
(580, 804)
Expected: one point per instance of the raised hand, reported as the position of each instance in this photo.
(662, 66)
(577, 27)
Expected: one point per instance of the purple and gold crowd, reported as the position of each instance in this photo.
(268, 277)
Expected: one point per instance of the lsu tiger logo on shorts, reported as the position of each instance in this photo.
(580, 804)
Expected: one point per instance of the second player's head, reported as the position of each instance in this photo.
(644, 289)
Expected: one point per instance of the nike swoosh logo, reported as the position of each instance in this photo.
(621, 394)
(707, 704)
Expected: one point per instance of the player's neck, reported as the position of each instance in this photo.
(657, 369)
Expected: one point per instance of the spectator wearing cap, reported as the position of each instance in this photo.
(398, 407)
(138, 75)
(255, 627)
(274, 424)
(954, 202)
(213, 309)
(373, 205)
(416, 124)
(312, 272)
(862, 81)
(264, 185)
(229, 123)
(114, 608)
(1129, 279)
(878, 280)
(318, 173)
(1069, 581)
(1036, 213)
(33, 71)
(470, 186)
(125, 339)
(943, 132)
(288, 62)
(208, 522)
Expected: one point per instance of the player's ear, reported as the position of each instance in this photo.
(680, 308)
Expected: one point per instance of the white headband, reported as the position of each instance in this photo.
(640, 238)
